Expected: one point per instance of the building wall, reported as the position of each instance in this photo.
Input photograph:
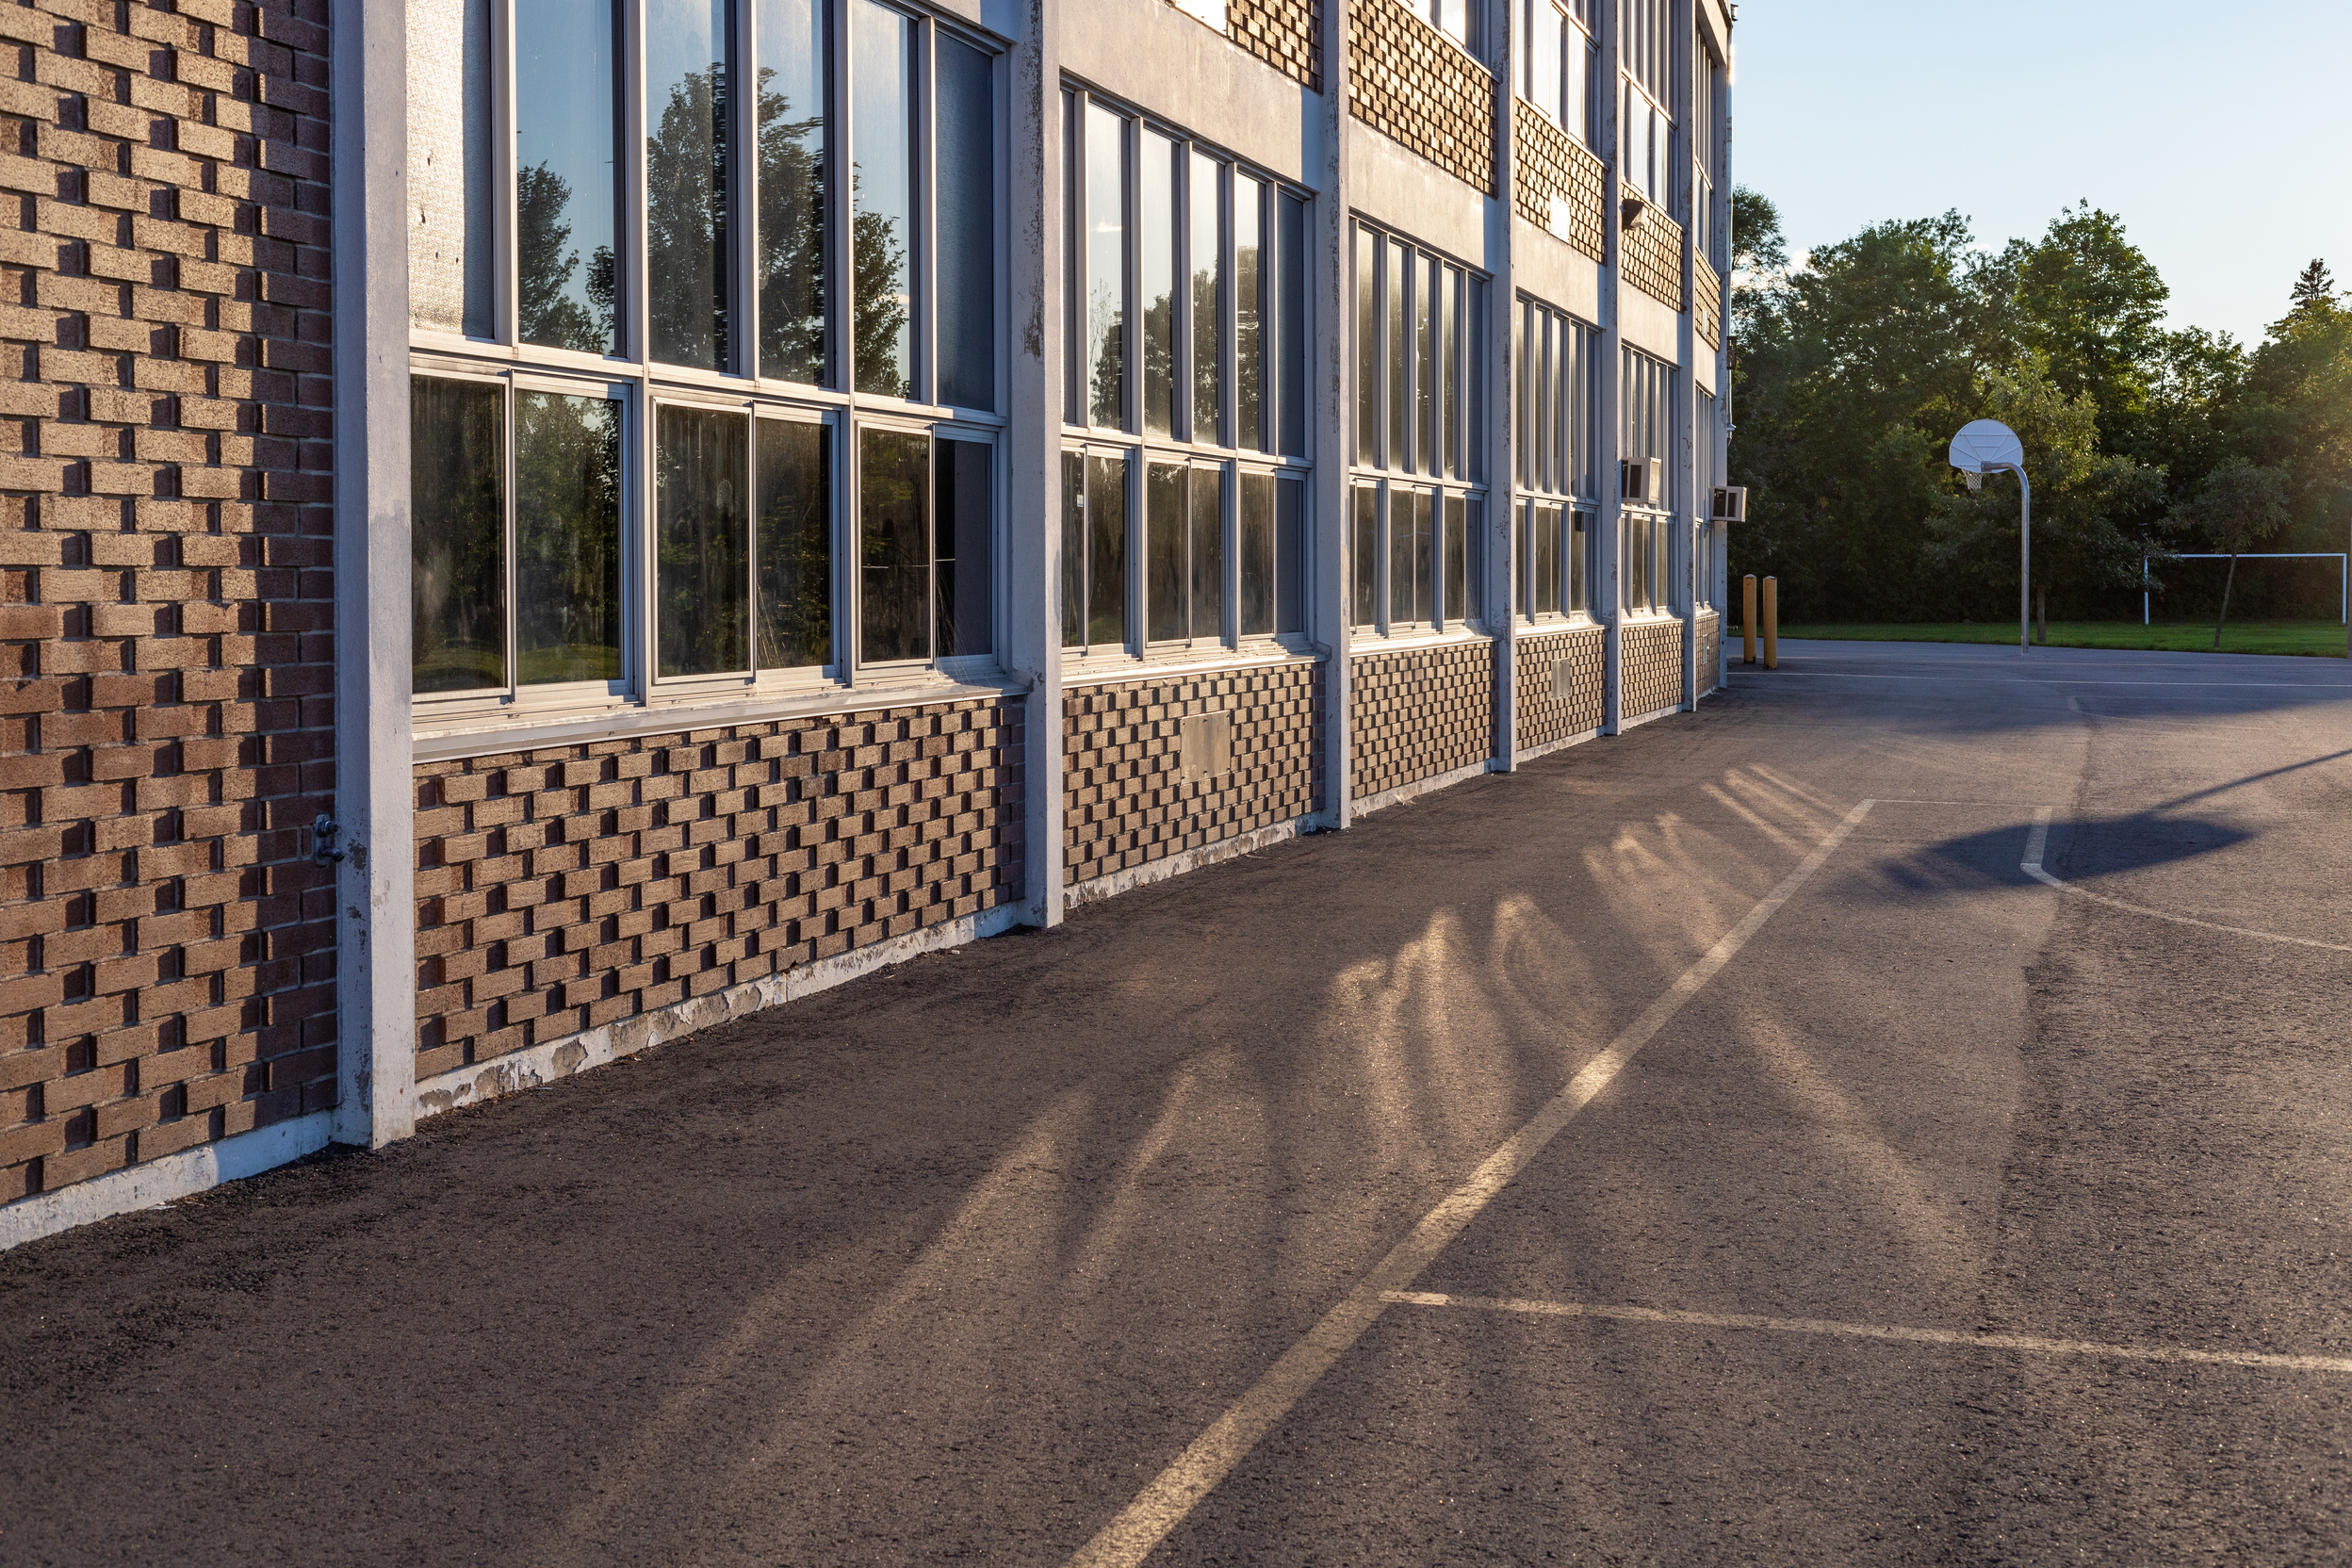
(1556, 183)
(1710, 650)
(1285, 34)
(1545, 715)
(569, 887)
(1653, 260)
(1652, 660)
(165, 733)
(1419, 714)
(1410, 82)
(1124, 803)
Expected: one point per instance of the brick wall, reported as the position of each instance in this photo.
(1544, 717)
(166, 729)
(1653, 257)
(1412, 84)
(565, 889)
(1419, 712)
(1556, 182)
(1285, 34)
(1708, 322)
(1652, 656)
(1710, 650)
(1123, 804)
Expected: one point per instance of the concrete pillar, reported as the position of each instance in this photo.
(1331, 348)
(1608, 585)
(1501, 557)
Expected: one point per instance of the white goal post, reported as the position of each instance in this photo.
(2344, 563)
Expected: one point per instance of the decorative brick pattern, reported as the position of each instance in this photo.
(1416, 86)
(1651, 256)
(1710, 650)
(1557, 183)
(1652, 655)
(1123, 804)
(1419, 712)
(1544, 717)
(167, 962)
(1710, 321)
(1285, 34)
(565, 888)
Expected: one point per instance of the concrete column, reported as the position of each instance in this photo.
(1034, 352)
(1608, 587)
(374, 798)
(1685, 407)
(1501, 559)
(1331, 347)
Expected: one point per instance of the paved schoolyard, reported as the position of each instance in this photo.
(1657, 1156)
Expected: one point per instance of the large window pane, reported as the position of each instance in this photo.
(1367, 352)
(1106, 267)
(702, 541)
(1156, 272)
(1545, 521)
(1580, 561)
(1167, 521)
(965, 546)
(882, 187)
(1106, 551)
(1290, 250)
(1425, 440)
(1450, 355)
(794, 479)
(567, 538)
(795, 120)
(1208, 555)
(1396, 286)
(1248, 313)
(966, 115)
(1365, 556)
(567, 160)
(1074, 550)
(1290, 554)
(1208, 315)
(1455, 550)
(1255, 614)
(1411, 587)
(690, 76)
(449, 166)
(457, 538)
(893, 545)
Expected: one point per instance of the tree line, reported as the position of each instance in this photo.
(1852, 366)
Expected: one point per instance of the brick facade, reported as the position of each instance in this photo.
(1123, 802)
(565, 888)
(1708, 321)
(1419, 88)
(1652, 258)
(1285, 34)
(1418, 713)
(1710, 650)
(165, 591)
(1545, 716)
(1557, 184)
(1652, 660)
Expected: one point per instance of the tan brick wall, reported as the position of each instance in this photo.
(1708, 322)
(1651, 652)
(1418, 713)
(1652, 258)
(1543, 717)
(1415, 86)
(1123, 804)
(565, 889)
(1285, 34)
(1710, 650)
(165, 729)
(1557, 183)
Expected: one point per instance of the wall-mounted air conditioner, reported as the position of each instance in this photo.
(1642, 481)
(1730, 504)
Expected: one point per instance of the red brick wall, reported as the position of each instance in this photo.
(565, 888)
(166, 729)
(1122, 803)
(1545, 718)
(1418, 713)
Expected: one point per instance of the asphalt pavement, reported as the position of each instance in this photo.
(1781, 1173)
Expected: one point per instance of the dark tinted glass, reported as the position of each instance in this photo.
(702, 541)
(795, 478)
(1206, 264)
(893, 545)
(1291, 254)
(1106, 551)
(967, 208)
(1580, 561)
(690, 81)
(567, 538)
(1249, 314)
(965, 542)
(882, 185)
(1208, 554)
(1167, 521)
(1457, 555)
(1074, 550)
(794, 120)
(1258, 581)
(1290, 555)
(566, 158)
(1156, 264)
(1367, 353)
(1364, 548)
(1547, 559)
(457, 534)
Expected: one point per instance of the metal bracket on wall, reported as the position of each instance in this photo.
(323, 833)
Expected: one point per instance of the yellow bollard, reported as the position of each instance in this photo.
(1747, 619)
(1772, 623)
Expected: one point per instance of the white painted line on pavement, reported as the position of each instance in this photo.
(1976, 1341)
(2060, 680)
(2038, 840)
(1160, 1507)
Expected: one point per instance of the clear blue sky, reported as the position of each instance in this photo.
(2220, 133)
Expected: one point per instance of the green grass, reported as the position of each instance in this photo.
(2319, 639)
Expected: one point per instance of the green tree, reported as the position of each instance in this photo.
(2237, 506)
(546, 264)
(2088, 298)
(792, 239)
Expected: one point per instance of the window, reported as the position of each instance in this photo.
(1710, 474)
(1646, 124)
(1646, 399)
(1562, 63)
(1456, 18)
(673, 446)
(1706, 115)
(1559, 398)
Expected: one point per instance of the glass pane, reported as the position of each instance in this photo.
(1364, 555)
(1107, 266)
(1543, 56)
(893, 545)
(1248, 314)
(1541, 345)
(1368, 355)
(1398, 286)
(966, 138)
(1208, 554)
(457, 539)
(794, 118)
(1580, 561)
(1457, 607)
(1258, 579)
(1546, 528)
(1424, 575)
(1290, 554)
(690, 72)
(702, 540)
(1290, 256)
(1425, 399)
(1208, 319)
(1073, 275)
(1473, 314)
(567, 538)
(1453, 20)
(966, 548)
(566, 160)
(1401, 504)
(1106, 551)
(1167, 522)
(1074, 550)
(1524, 458)
(1450, 357)
(795, 480)
(448, 173)
(1156, 272)
(882, 187)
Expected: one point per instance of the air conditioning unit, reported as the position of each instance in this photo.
(1730, 504)
(1642, 481)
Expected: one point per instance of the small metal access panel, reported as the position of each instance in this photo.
(1563, 680)
(1207, 747)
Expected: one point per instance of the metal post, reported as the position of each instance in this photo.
(1747, 619)
(2025, 558)
(1772, 623)
(2144, 621)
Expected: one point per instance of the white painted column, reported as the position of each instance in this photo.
(1608, 587)
(374, 802)
(1686, 405)
(1500, 558)
(1333, 347)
